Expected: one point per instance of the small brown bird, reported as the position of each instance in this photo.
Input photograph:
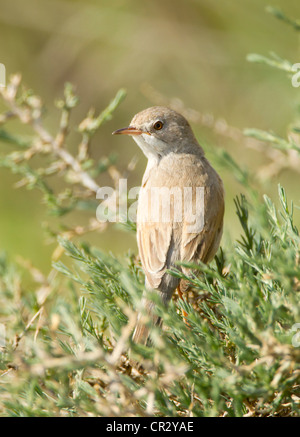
(180, 207)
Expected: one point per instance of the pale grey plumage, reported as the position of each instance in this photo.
(175, 159)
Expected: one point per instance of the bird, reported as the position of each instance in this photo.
(165, 222)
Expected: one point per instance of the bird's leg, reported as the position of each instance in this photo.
(184, 313)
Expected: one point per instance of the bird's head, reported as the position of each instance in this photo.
(159, 131)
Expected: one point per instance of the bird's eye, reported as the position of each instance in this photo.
(158, 125)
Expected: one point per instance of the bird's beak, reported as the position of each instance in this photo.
(130, 130)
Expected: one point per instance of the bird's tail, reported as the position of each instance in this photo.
(142, 330)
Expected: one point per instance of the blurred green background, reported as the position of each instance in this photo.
(193, 50)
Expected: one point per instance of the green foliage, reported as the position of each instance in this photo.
(274, 61)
